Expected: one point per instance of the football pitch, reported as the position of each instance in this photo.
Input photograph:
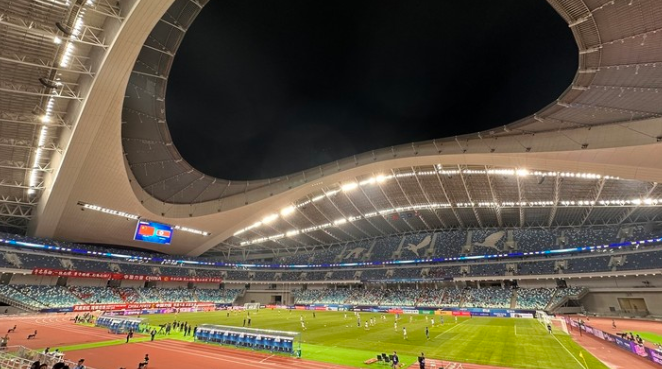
(335, 337)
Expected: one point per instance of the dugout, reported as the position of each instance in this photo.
(119, 324)
(258, 339)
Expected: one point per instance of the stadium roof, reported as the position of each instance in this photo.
(83, 127)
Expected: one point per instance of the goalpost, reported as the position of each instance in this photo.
(545, 319)
(252, 306)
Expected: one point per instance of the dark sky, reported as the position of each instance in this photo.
(265, 88)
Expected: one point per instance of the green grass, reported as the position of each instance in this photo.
(518, 343)
(649, 336)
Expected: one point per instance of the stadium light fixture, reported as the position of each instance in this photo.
(269, 218)
(339, 221)
(349, 186)
(123, 214)
(109, 211)
(287, 211)
(192, 230)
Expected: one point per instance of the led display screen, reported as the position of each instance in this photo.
(147, 231)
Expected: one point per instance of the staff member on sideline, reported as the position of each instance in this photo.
(395, 360)
(421, 361)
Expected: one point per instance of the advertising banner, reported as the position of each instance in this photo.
(75, 274)
(120, 276)
(461, 313)
(654, 356)
(619, 341)
(522, 315)
(144, 305)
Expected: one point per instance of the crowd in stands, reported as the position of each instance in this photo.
(489, 297)
(41, 297)
(534, 298)
(440, 243)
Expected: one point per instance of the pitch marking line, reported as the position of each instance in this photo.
(568, 351)
(450, 329)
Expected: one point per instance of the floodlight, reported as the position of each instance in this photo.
(349, 186)
(287, 211)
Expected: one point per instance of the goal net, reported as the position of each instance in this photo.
(556, 323)
(252, 306)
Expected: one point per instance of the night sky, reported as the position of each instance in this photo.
(261, 89)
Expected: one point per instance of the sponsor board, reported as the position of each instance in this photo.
(120, 276)
(141, 306)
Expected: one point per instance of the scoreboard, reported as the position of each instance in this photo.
(153, 232)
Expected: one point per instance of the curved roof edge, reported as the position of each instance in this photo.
(155, 164)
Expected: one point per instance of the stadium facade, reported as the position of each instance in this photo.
(86, 152)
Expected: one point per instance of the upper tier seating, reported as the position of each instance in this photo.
(488, 297)
(445, 243)
(534, 298)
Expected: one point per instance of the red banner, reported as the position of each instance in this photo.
(120, 276)
(142, 305)
(75, 274)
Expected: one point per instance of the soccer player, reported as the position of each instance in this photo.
(404, 332)
(303, 325)
(432, 322)
(456, 320)
(427, 333)
(366, 325)
(395, 326)
(411, 318)
(549, 328)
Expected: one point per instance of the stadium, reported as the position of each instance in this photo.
(536, 244)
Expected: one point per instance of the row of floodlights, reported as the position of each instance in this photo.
(136, 217)
(438, 170)
(433, 206)
(48, 112)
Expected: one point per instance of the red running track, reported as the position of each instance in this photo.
(166, 354)
(53, 330)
